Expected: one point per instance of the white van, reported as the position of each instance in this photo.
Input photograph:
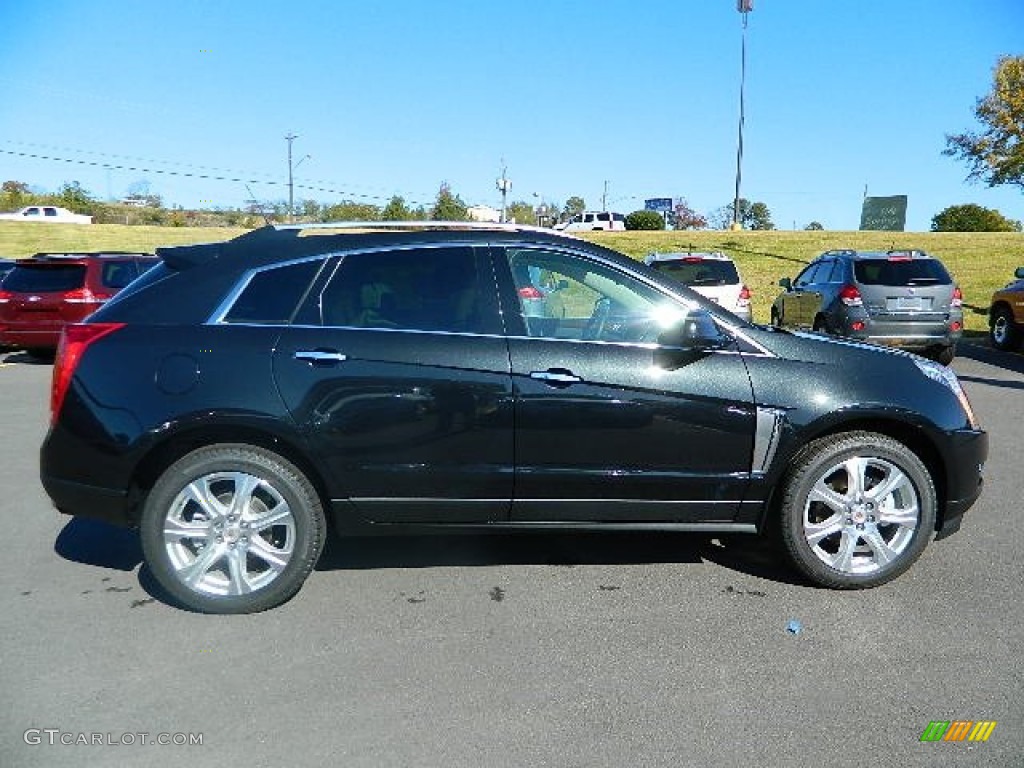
(591, 220)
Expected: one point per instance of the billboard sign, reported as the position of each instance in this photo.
(659, 204)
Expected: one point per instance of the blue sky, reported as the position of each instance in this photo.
(396, 96)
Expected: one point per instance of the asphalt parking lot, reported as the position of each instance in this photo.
(557, 650)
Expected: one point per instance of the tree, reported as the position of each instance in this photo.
(814, 226)
(396, 210)
(996, 155)
(972, 218)
(684, 217)
(448, 207)
(74, 198)
(645, 220)
(346, 210)
(751, 216)
(760, 217)
(14, 195)
(521, 212)
(573, 206)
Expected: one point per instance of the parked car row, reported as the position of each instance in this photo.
(238, 396)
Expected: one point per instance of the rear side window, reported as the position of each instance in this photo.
(45, 278)
(901, 272)
(271, 295)
(699, 271)
(117, 274)
(420, 289)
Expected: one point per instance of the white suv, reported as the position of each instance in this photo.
(713, 275)
(594, 220)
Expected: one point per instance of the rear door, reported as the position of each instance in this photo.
(396, 369)
(611, 426)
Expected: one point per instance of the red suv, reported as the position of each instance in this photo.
(44, 293)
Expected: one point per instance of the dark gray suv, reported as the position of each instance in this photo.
(903, 299)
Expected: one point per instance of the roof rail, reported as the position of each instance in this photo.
(412, 225)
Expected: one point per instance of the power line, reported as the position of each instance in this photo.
(203, 176)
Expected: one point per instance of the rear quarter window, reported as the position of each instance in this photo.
(272, 295)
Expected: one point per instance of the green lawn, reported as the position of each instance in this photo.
(980, 263)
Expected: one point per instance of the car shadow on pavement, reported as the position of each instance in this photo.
(983, 353)
(753, 555)
(94, 542)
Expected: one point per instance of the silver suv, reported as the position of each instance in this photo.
(712, 275)
(901, 299)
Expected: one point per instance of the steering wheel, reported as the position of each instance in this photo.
(598, 319)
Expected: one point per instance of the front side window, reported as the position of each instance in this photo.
(563, 296)
(117, 274)
(429, 289)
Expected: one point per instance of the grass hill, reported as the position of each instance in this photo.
(980, 262)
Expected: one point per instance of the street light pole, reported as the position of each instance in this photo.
(744, 7)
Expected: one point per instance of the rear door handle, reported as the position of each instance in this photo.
(557, 377)
(320, 356)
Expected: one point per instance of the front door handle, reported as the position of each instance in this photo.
(556, 377)
(320, 356)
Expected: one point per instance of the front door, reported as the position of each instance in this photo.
(611, 425)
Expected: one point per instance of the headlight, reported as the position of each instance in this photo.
(942, 374)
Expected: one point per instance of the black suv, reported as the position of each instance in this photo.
(898, 298)
(240, 397)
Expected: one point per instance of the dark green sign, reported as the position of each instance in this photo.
(888, 214)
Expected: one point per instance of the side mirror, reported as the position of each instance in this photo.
(1019, 273)
(786, 283)
(697, 331)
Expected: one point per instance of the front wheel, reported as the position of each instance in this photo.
(857, 510)
(232, 529)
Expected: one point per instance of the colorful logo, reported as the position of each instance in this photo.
(958, 730)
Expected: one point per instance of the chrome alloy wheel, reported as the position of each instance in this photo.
(861, 514)
(1001, 330)
(228, 533)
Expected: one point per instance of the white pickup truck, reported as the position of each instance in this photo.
(47, 213)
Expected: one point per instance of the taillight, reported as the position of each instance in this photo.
(850, 296)
(82, 296)
(5, 296)
(958, 298)
(743, 300)
(530, 292)
(74, 340)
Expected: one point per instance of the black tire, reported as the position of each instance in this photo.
(856, 539)
(945, 355)
(1003, 332)
(776, 320)
(820, 326)
(256, 514)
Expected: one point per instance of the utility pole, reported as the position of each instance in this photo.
(744, 7)
(604, 198)
(503, 186)
(291, 199)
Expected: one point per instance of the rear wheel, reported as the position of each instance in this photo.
(232, 529)
(1004, 332)
(945, 355)
(857, 510)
